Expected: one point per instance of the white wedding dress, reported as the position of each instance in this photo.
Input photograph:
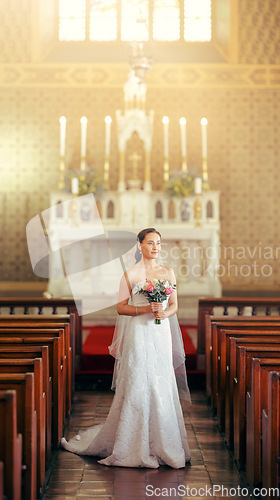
(145, 425)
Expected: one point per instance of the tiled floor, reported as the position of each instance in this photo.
(75, 477)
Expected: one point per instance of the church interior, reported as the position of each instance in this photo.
(117, 115)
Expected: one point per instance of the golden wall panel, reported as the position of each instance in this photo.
(243, 145)
(259, 23)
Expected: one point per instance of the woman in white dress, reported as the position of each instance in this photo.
(145, 425)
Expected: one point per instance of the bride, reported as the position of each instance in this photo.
(145, 425)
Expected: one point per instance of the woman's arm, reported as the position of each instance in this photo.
(124, 293)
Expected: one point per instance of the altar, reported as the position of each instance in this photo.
(91, 236)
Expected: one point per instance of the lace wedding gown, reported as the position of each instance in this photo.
(145, 425)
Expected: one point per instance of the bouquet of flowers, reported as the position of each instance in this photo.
(157, 291)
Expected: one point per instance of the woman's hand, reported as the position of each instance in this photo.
(157, 309)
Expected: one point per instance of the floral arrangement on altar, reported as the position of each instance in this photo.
(156, 291)
(90, 180)
(181, 183)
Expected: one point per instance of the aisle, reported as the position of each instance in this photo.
(75, 477)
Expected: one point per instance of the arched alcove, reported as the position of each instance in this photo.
(171, 210)
(110, 210)
(158, 210)
(209, 210)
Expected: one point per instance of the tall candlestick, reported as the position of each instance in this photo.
(183, 128)
(198, 185)
(108, 121)
(62, 121)
(75, 185)
(165, 122)
(204, 137)
(83, 136)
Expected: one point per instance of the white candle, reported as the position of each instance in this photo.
(204, 137)
(198, 185)
(83, 136)
(62, 121)
(75, 185)
(183, 128)
(108, 121)
(165, 122)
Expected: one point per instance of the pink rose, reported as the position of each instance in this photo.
(169, 290)
(150, 288)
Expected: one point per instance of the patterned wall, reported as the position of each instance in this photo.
(242, 104)
(259, 23)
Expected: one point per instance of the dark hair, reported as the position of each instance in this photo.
(140, 237)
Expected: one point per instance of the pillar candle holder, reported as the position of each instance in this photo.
(197, 210)
(166, 169)
(61, 182)
(83, 163)
(205, 182)
(106, 171)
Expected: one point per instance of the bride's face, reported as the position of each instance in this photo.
(150, 246)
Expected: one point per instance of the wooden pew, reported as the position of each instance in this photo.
(213, 327)
(32, 352)
(66, 321)
(227, 361)
(247, 339)
(33, 366)
(30, 304)
(55, 370)
(241, 386)
(1, 481)
(256, 402)
(41, 334)
(23, 384)
(270, 435)
(206, 307)
(11, 445)
(58, 329)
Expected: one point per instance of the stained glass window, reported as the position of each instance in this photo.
(103, 20)
(197, 20)
(72, 20)
(166, 20)
(135, 20)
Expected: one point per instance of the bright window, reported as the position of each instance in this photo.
(166, 20)
(72, 20)
(135, 20)
(197, 20)
(103, 20)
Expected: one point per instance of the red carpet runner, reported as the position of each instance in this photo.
(95, 358)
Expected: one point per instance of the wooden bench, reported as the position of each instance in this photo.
(241, 386)
(11, 445)
(23, 384)
(247, 339)
(41, 304)
(66, 321)
(227, 361)
(256, 402)
(56, 372)
(270, 435)
(34, 366)
(37, 325)
(213, 327)
(32, 352)
(206, 306)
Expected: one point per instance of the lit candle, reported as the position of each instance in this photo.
(62, 121)
(204, 137)
(83, 136)
(198, 185)
(75, 185)
(108, 121)
(183, 137)
(165, 122)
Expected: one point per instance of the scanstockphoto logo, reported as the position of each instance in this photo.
(85, 256)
